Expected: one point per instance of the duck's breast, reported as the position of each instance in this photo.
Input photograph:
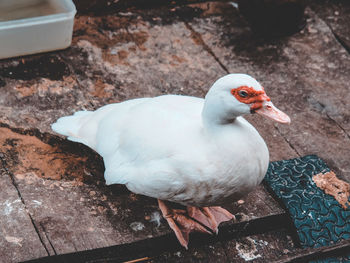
(237, 161)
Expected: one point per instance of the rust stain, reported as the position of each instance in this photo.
(27, 155)
(333, 186)
(119, 57)
(123, 54)
(196, 38)
(45, 86)
(178, 59)
(212, 8)
(25, 91)
(102, 90)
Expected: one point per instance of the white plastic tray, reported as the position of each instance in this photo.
(34, 26)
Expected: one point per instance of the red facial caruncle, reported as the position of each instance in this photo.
(249, 95)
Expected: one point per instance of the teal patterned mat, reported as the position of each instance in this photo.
(318, 218)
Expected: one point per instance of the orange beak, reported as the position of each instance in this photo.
(270, 111)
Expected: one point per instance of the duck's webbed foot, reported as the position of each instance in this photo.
(211, 216)
(195, 219)
(181, 223)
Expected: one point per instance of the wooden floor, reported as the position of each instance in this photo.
(53, 198)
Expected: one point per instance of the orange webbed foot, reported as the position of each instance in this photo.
(195, 219)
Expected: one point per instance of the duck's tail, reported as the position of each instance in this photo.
(73, 127)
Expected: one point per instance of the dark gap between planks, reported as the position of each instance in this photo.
(168, 243)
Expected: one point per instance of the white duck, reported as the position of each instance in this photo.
(197, 152)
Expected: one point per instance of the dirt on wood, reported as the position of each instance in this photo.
(109, 31)
(26, 154)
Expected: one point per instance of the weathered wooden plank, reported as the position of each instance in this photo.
(301, 73)
(337, 15)
(139, 57)
(18, 238)
(142, 251)
(275, 246)
(167, 246)
(166, 249)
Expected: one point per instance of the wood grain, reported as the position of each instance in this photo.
(19, 239)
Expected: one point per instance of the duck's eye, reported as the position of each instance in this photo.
(243, 93)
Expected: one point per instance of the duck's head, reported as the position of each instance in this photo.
(238, 94)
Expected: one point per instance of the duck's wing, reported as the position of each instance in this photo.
(143, 148)
(138, 137)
